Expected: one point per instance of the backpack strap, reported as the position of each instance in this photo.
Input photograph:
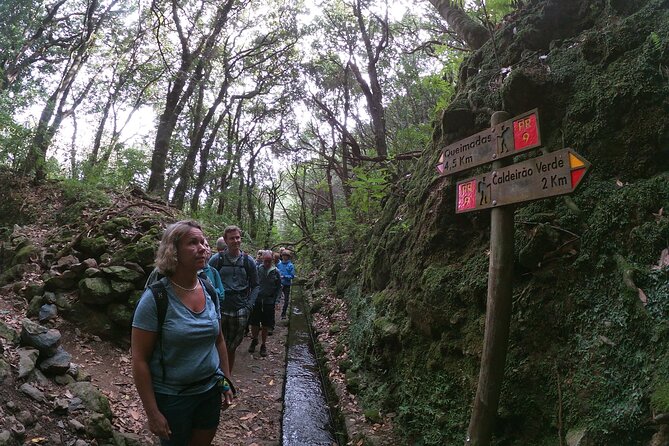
(246, 262)
(219, 261)
(213, 294)
(160, 296)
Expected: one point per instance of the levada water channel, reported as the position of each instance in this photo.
(307, 419)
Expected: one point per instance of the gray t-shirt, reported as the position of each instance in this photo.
(240, 280)
(189, 352)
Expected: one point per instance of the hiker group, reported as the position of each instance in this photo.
(193, 315)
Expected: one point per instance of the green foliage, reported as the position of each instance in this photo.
(660, 399)
(497, 9)
(369, 187)
(78, 196)
(14, 137)
(128, 166)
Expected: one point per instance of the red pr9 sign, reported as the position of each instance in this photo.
(525, 132)
(466, 194)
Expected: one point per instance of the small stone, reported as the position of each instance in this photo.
(76, 425)
(11, 406)
(33, 392)
(26, 418)
(61, 406)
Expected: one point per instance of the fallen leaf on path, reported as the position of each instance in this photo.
(659, 213)
(249, 417)
(664, 258)
(642, 296)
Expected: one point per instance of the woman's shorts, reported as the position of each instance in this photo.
(187, 412)
(262, 315)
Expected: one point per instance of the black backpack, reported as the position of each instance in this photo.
(160, 296)
(246, 263)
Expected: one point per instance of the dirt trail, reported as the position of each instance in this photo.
(255, 417)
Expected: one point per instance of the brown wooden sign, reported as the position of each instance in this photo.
(556, 173)
(506, 139)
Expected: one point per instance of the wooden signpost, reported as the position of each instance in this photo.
(556, 173)
(548, 175)
(508, 138)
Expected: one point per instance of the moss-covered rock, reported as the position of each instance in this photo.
(24, 254)
(372, 415)
(93, 399)
(120, 314)
(124, 274)
(96, 291)
(142, 252)
(116, 225)
(12, 274)
(8, 333)
(92, 246)
(660, 399)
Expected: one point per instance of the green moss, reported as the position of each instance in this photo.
(78, 196)
(23, 254)
(659, 400)
(372, 415)
(92, 246)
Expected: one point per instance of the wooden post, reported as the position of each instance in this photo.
(498, 318)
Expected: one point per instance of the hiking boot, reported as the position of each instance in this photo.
(252, 347)
(263, 350)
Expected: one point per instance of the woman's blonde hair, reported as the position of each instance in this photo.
(166, 257)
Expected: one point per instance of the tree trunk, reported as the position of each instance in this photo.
(250, 205)
(166, 125)
(472, 33)
(372, 90)
(204, 164)
(240, 194)
(179, 95)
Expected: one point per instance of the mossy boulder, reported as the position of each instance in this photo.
(115, 225)
(142, 252)
(123, 274)
(386, 330)
(64, 303)
(24, 254)
(93, 399)
(53, 281)
(8, 333)
(96, 291)
(12, 274)
(121, 289)
(92, 246)
(93, 319)
(372, 415)
(120, 314)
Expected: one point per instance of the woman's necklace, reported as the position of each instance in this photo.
(184, 288)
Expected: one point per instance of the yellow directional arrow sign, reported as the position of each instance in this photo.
(506, 139)
(556, 173)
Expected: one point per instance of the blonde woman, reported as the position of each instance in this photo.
(180, 365)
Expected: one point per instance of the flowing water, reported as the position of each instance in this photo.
(306, 415)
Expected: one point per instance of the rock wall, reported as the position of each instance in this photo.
(590, 289)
